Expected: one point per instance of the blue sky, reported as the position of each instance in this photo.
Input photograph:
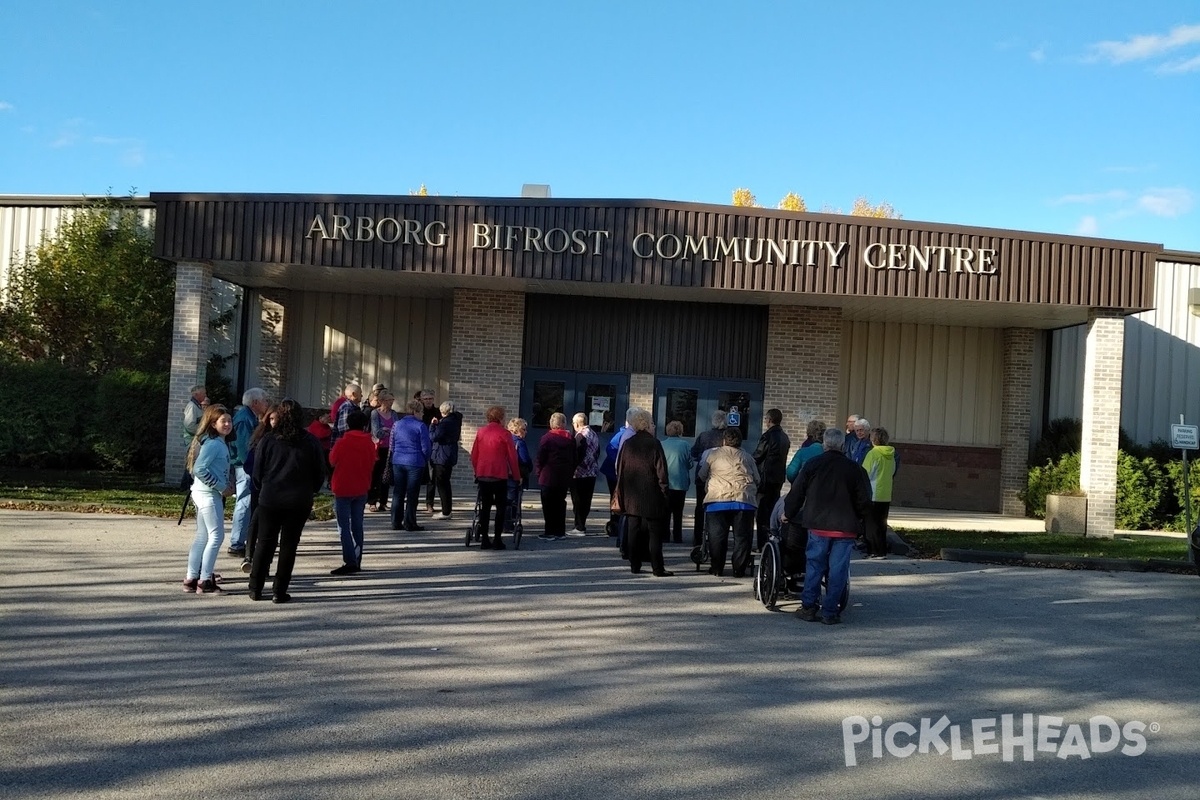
(1043, 116)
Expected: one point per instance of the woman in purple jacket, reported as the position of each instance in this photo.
(410, 458)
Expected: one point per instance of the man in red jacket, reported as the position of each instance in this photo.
(352, 458)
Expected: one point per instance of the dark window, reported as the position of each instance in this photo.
(681, 406)
(547, 399)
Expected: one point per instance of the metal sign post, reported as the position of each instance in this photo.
(1185, 438)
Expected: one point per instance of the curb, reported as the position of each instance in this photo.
(1068, 562)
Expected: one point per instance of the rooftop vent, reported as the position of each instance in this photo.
(535, 190)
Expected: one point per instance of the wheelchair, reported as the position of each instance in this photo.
(770, 581)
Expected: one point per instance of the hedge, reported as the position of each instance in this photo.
(1150, 492)
(52, 416)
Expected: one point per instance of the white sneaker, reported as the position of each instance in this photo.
(576, 532)
(441, 516)
(547, 537)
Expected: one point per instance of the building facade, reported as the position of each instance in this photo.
(963, 342)
(938, 333)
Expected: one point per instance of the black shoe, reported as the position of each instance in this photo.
(636, 570)
(498, 544)
(485, 543)
(412, 528)
(281, 597)
(806, 614)
(240, 552)
(664, 574)
(345, 569)
(834, 620)
(255, 595)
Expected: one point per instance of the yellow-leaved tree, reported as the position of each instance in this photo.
(745, 198)
(792, 202)
(862, 208)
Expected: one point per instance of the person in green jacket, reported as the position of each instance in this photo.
(880, 464)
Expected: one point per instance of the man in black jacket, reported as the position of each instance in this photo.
(831, 496)
(771, 459)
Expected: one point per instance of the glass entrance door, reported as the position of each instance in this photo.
(602, 396)
(692, 402)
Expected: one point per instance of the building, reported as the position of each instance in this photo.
(961, 341)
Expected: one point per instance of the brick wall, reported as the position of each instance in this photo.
(949, 477)
(1102, 365)
(641, 393)
(803, 366)
(189, 354)
(485, 364)
(1016, 396)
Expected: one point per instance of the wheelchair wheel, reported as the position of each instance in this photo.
(766, 577)
(473, 528)
(518, 529)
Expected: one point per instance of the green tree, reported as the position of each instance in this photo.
(92, 296)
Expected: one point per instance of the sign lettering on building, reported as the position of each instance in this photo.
(659, 246)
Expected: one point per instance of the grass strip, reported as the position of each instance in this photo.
(930, 543)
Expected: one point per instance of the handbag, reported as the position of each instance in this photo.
(388, 478)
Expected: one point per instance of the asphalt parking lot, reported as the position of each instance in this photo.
(446, 672)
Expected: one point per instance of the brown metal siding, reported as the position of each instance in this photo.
(1031, 268)
(599, 334)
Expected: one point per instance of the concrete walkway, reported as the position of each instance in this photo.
(447, 672)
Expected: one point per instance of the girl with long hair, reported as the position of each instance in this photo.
(208, 462)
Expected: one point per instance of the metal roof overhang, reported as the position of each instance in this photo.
(1040, 281)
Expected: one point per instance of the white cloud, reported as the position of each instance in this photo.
(1038, 54)
(1088, 226)
(6, 106)
(1179, 67)
(1094, 197)
(1166, 202)
(1139, 48)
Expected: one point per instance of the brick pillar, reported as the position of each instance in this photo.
(1102, 365)
(189, 356)
(486, 350)
(1015, 412)
(804, 353)
(641, 394)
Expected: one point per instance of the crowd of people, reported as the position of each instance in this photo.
(272, 465)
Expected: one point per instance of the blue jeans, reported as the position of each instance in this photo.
(210, 532)
(349, 512)
(832, 553)
(241, 510)
(406, 488)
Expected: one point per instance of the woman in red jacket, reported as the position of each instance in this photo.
(353, 460)
(494, 458)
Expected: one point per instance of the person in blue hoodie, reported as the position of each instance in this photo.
(609, 470)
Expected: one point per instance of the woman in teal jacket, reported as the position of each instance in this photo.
(811, 448)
